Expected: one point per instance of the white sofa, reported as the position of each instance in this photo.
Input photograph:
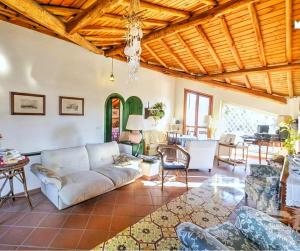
(202, 153)
(72, 175)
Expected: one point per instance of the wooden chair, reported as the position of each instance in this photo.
(173, 158)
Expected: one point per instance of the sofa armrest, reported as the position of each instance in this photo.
(265, 231)
(263, 171)
(194, 237)
(47, 176)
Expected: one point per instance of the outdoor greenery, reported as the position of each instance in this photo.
(293, 136)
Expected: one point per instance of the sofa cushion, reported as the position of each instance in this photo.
(80, 186)
(67, 160)
(119, 176)
(102, 154)
(231, 237)
(267, 232)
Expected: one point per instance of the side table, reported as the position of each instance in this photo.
(8, 173)
(150, 170)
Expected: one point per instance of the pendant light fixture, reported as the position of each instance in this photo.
(112, 77)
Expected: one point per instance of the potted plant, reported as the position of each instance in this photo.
(292, 136)
(157, 111)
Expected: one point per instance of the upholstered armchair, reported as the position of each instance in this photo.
(262, 187)
(252, 230)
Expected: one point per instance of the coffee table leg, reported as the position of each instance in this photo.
(22, 174)
(11, 184)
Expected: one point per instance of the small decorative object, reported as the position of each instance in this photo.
(134, 36)
(71, 106)
(135, 124)
(157, 111)
(27, 103)
(112, 77)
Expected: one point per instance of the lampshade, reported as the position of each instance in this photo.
(135, 123)
(283, 119)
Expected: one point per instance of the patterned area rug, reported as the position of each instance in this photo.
(207, 205)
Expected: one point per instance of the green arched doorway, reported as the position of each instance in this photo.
(114, 112)
(133, 105)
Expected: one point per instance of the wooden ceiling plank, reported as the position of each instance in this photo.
(258, 36)
(213, 83)
(191, 22)
(155, 55)
(289, 24)
(210, 47)
(160, 8)
(32, 10)
(96, 10)
(231, 43)
(275, 68)
(247, 82)
(268, 83)
(209, 2)
(290, 83)
(178, 61)
(191, 53)
(61, 11)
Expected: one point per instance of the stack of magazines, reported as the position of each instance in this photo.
(10, 156)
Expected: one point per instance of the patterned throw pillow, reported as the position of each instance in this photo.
(123, 160)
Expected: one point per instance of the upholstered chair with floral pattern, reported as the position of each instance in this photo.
(262, 187)
(253, 230)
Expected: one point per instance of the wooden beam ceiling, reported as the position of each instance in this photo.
(290, 83)
(289, 24)
(191, 22)
(155, 55)
(268, 83)
(35, 12)
(258, 36)
(96, 10)
(231, 43)
(247, 82)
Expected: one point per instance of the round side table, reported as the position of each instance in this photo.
(8, 173)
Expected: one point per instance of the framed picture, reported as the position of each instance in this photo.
(71, 106)
(27, 103)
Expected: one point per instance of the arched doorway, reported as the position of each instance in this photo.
(133, 105)
(114, 111)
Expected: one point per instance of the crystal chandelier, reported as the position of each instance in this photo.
(134, 36)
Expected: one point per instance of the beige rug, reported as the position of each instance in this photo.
(207, 205)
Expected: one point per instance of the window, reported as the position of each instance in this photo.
(243, 121)
(197, 107)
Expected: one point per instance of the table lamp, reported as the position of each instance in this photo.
(135, 124)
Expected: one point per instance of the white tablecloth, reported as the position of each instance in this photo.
(293, 190)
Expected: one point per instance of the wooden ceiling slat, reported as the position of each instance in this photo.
(155, 55)
(290, 83)
(289, 23)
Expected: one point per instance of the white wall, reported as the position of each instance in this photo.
(226, 96)
(36, 63)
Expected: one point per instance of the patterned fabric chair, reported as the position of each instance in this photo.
(253, 230)
(262, 187)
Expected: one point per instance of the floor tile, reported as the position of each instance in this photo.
(91, 238)
(160, 200)
(143, 210)
(53, 220)
(125, 199)
(15, 235)
(31, 219)
(8, 247)
(76, 221)
(143, 200)
(67, 239)
(84, 207)
(10, 218)
(41, 237)
(125, 210)
(120, 222)
(103, 209)
(99, 222)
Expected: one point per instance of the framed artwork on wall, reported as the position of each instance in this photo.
(27, 104)
(71, 106)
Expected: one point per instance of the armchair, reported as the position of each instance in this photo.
(262, 187)
(252, 230)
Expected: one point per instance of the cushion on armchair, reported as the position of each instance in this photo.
(264, 170)
(194, 237)
(267, 232)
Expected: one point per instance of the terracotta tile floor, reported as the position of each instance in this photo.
(85, 225)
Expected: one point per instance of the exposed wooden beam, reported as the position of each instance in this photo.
(191, 53)
(160, 9)
(212, 83)
(191, 22)
(247, 82)
(167, 48)
(96, 10)
(290, 83)
(210, 48)
(104, 39)
(289, 24)
(35, 12)
(275, 68)
(155, 55)
(268, 83)
(258, 36)
(100, 28)
(231, 43)
(209, 2)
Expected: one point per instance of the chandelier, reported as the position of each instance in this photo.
(134, 36)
